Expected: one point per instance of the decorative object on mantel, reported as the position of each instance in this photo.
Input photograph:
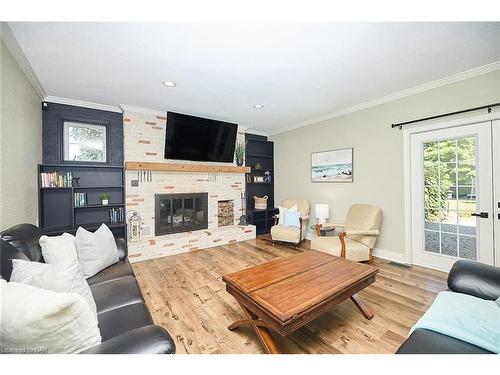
(104, 198)
(259, 179)
(258, 166)
(134, 227)
(260, 203)
(243, 217)
(322, 212)
(332, 166)
(267, 177)
(239, 152)
(184, 167)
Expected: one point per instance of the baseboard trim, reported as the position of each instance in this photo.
(393, 256)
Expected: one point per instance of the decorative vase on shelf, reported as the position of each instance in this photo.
(239, 153)
(104, 198)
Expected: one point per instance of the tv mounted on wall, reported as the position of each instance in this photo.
(199, 139)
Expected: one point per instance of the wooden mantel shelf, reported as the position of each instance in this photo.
(184, 167)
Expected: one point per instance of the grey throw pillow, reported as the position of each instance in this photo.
(497, 301)
(96, 251)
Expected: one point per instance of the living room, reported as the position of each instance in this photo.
(250, 187)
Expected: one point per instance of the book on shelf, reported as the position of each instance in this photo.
(56, 179)
(80, 199)
(116, 215)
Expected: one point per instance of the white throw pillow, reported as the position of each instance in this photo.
(96, 251)
(54, 278)
(282, 210)
(59, 250)
(42, 321)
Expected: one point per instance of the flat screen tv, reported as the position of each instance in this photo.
(199, 139)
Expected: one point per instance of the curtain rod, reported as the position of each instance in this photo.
(489, 106)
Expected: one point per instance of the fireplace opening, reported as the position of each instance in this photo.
(177, 213)
(225, 213)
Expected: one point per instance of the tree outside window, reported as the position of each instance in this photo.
(84, 142)
(449, 177)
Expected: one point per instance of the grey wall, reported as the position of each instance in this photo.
(378, 153)
(20, 144)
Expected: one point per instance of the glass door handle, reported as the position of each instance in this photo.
(482, 215)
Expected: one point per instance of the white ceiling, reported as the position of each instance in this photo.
(298, 72)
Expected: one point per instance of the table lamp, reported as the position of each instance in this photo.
(322, 212)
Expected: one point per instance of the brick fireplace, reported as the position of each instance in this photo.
(144, 141)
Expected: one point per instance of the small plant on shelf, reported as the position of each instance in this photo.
(104, 198)
(239, 152)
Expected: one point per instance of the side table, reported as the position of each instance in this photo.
(323, 231)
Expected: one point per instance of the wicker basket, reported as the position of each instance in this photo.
(260, 203)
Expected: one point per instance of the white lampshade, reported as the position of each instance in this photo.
(322, 212)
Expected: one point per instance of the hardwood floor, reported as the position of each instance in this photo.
(186, 295)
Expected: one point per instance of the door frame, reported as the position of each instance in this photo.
(496, 190)
(408, 131)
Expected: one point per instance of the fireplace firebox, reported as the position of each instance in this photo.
(176, 213)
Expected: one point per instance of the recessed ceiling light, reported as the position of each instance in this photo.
(258, 106)
(169, 83)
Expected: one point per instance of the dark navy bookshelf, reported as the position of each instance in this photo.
(259, 150)
(57, 212)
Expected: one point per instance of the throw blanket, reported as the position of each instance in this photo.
(466, 318)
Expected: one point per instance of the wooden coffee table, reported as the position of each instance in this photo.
(288, 293)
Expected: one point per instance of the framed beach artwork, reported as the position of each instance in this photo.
(332, 166)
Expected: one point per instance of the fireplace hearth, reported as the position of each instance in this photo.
(177, 213)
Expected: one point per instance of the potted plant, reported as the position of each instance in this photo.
(104, 198)
(239, 152)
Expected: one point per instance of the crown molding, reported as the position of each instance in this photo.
(12, 45)
(149, 111)
(398, 95)
(82, 103)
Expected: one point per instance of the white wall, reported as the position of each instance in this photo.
(20, 144)
(378, 152)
